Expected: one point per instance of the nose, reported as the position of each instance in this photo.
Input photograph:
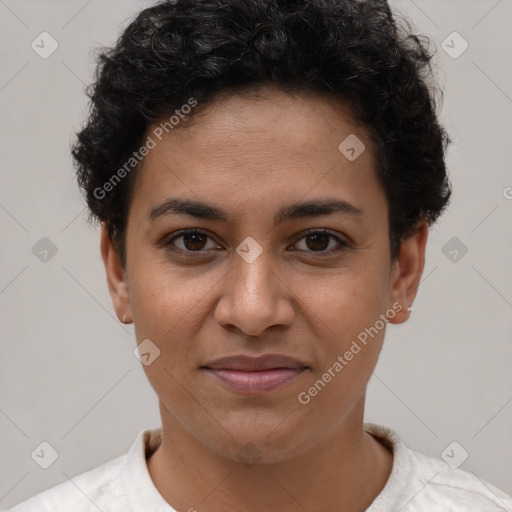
(254, 298)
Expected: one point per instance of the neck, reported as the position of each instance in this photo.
(345, 471)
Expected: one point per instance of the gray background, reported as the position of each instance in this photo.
(68, 373)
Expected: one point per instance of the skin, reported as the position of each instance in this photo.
(251, 155)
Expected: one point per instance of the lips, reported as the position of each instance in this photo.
(250, 375)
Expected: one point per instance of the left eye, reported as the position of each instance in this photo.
(314, 241)
(320, 241)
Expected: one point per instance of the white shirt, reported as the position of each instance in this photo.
(417, 483)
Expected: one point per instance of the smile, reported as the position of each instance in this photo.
(251, 375)
(256, 381)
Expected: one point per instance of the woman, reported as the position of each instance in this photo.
(265, 174)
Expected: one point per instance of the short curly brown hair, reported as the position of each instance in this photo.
(349, 49)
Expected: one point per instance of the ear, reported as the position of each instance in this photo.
(406, 273)
(116, 278)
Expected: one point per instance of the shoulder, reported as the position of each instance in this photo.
(114, 486)
(89, 491)
(419, 482)
(455, 489)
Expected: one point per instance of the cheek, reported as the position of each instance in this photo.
(347, 301)
(169, 307)
(167, 310)
(348, 353)
(164, 297)
(347, 314)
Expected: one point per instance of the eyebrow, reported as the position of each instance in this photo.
(200, 210)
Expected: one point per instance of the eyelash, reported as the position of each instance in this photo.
(342, 244)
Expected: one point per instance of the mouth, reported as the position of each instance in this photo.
(250, 375)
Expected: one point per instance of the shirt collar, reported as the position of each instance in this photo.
(142, 495)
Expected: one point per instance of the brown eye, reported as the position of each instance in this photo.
(321, 242)
(194, 241)
(191, 241)
(318, 242)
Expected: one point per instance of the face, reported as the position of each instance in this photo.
(286, 253)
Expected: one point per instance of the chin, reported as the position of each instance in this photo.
(263, 444)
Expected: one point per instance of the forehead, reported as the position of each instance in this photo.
(294, 122)
(260, 149)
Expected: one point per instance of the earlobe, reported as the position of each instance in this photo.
(116, 277)
(407, 271)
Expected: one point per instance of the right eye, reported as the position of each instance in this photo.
(191, 240)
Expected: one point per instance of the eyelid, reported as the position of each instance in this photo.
(190, 231)
(343, 244)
